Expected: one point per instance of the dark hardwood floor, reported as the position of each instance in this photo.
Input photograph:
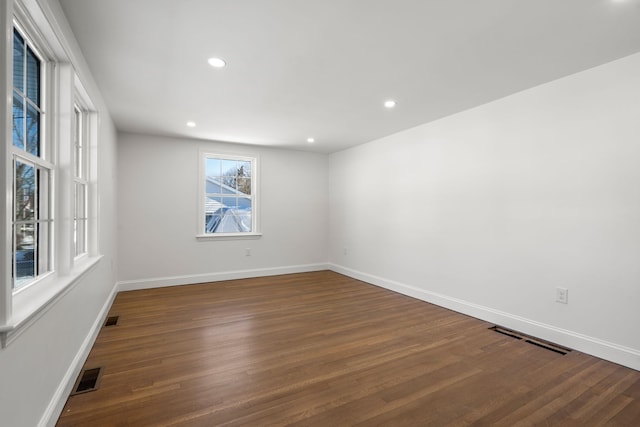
(321, 349)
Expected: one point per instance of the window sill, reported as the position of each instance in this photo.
(32, 302)
(229, 236)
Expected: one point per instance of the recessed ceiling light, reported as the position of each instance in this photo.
(311, 140)
(191, 124)
(390, 103)
(217, 62)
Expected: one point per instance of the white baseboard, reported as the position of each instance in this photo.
(159, 282)
(56, 405)
(625, 356)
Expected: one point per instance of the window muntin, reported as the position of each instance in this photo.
(229, 199)
(32, 174)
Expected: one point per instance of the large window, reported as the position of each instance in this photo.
(80, 184)
(32, 172)
(230, 195)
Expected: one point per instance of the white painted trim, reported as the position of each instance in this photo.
(622, 355)
(160, 282)
(255, 160)
(54, 409)
(36, 300)
(229, 236)
(6, 171)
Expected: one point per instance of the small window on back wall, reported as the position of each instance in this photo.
(230, 195)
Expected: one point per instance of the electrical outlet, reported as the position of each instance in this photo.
(247, 252)
(344, 251)
(562, 295)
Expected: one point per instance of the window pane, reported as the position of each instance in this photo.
(83, 205)
(79, 236)
(33, 77)
(244, 169)
(80, 201)
(244, 203)
(75, 236)
(230, 182)
(244, 185)
(25, 267)
(18, 61)
(213, 186)
(212, 205)
(214, 167)
(18, 121)
(229, 167)
(25, 197)
(79, 173)
(228, 223)
(43, 183)
(213, 221)
(33, 130)
(76, 201)
(78, 169)
(230, 202)
(244, 222)
(43, 238)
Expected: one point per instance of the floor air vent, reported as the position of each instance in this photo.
(531, 340)
(88, 380)
(111, 321)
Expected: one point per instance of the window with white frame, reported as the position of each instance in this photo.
(32, 169)
(230, 202)
(49, 161)
(80, 183)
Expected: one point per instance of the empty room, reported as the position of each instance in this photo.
(320, 213)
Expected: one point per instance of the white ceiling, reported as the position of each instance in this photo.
(323, 68)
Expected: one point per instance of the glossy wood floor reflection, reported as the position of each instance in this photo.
(321, 349)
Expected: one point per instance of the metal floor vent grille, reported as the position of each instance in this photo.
(88, 380)
(111, 321)
(531, 340)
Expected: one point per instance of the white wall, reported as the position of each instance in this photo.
(158, 214)
(489, 210)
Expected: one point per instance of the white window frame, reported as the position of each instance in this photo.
(80, 240)
(44, 244)
(90, 121)
(255, 196)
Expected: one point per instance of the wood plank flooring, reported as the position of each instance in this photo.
(321, 349)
